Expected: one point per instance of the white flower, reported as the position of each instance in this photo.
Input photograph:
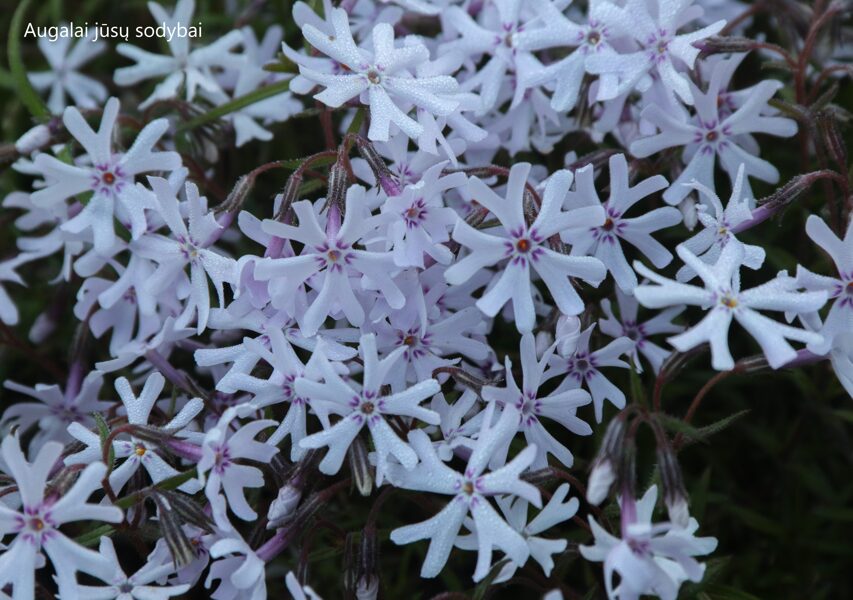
(660, 46)
(724, 301)
(364, 406)
(470, 492)
(555, 30)
(35, 526)
(649, 558)
(582, 367)
(136, 451)
(64, 76)
(330, 259)
(220, 450)
(530, 407)
(554, 512)
(628, 326)
(8, 311)
(56, 409)
(421, 219)
(714, 133)
(383, 79)
(603, 239)
(189, 247)
(720, 228)
(110, 177)
(526, 248)
(839, 320)
(139, 586)
(191, 69)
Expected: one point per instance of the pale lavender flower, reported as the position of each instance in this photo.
(719, 228)
(142, 585)
(582, 367)
(329, 262)
(190, 69)
(35, 525)
(364, 405)
(218, 468)
(470, 492)
(556, 511)
(190, 246)
(649, 558)
(627, 325)
(556, 30)
(604, 239)
(722, 298)
(382, 79)
(64, 76)
(421, 220)
(531, 406)
(713, 133)
(839, 319)
(526, 247)
(661, 49)
(136, 451)
(55, 409)
(110, 176)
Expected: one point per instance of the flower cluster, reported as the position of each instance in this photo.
(418, 320)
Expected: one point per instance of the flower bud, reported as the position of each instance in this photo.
(283, 507)
(674, 494)
(568, 333)
(600, 481)
(362, 471)
(383, 174)
(35, 139)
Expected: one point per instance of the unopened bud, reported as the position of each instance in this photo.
(289, 195)
(35, 139)
(604, 467)
(377, 164)
(725, 45)
(832, 138)
(600, 481)
(568, 332)
(337, 189)
(284, 506)
(674, 494)
(238, 194)
(362, 471)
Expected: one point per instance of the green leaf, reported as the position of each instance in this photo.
(90, 538)
(23, 88)
(699, 434)
(357, 121)
(104, 434)
(237, 104)
(483, 586)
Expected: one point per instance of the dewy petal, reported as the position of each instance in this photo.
(441, 530)
(72, 506)
(714, 328)
(338, 438)
(492, 530)
(30, 477)
(771, 336)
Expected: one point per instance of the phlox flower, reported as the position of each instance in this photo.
(839, 319)
(649, 558)
(722, 297)
(526, 247)
(362, 406)
(530, 407)
(110, 176)
(64, 76)
(719, 228)
(603, 240)
(192, 69)
(218, 468)
(469, 493)
(35, 525)
(136, 451)
(382, 79)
